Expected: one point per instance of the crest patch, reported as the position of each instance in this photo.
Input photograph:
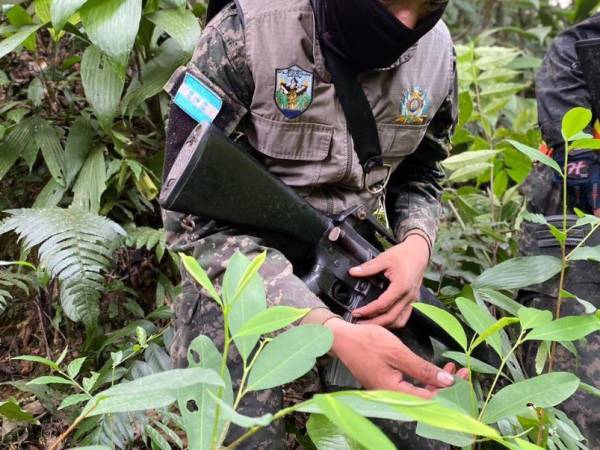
(293, 91)
(414, 107)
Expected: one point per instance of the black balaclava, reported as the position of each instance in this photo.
(366, 34)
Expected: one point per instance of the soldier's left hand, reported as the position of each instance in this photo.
(404, 265)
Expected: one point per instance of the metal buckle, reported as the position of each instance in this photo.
(378, 187)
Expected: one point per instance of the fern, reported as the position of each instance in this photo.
(147, 238)
(10, 281)
(76, 247)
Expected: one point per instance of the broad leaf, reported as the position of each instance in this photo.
(289, 356)
(533, 318)
(181, 24)
(445, 320)
(91, 182)
(112, 26)
(476, 365)
(518, 273)
(543, 391)
(567, 329)
(325, 435)
(198, 273)
(354, 425)
(102, 84)
(586, 254)
(270, 320)
(12, 412)
(479, 320)
(62, 10)
(11, 43)
(75, 366)
(536, 155)
(493, 329)
(575, 121)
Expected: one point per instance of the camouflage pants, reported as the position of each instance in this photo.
(197, 315)
(583, 408)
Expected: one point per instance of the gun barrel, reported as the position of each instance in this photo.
(215, 178)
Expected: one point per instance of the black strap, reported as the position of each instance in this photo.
(356, 106)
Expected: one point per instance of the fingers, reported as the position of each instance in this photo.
(370, 268)
(422, 370)
(396, 294)
(407, 388)
(463, 373)
(395, 318)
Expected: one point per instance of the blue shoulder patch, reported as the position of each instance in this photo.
(197, 100)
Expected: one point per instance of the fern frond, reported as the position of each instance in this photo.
(76, 247)
(10, 281)
(147, 238)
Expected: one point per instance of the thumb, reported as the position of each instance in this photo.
(373, 267)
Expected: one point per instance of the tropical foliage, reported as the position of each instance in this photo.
(86, 280)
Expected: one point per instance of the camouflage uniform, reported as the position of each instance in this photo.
(560, 87)
(412, 202)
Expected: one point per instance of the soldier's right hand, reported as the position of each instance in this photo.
(379, 360)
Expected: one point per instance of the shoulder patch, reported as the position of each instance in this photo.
(414, 107)
(198, 100)
(293, 91)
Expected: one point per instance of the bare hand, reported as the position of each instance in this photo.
(379, 360)
(404, 265)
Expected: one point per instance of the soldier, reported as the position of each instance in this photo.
(560, 87)
(252, 57)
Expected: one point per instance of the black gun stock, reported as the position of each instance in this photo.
(214, 178)
(588, 52)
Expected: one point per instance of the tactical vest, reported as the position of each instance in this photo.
(297, 122)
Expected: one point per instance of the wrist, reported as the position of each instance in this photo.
(340, 329)
(419, 239)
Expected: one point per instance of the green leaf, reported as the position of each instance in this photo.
(198, 273)
(543, 391)
(493, 329)
(73, 400)
(469, 172)
(325, 435)
(586, 254)
(149, 392)
(112, 26)
(525, 445)
(50, 380)
(102, 84)
(75, 366)
(536, 155)
(476, 365)
(78, 147)
(575, 121)
(567, 329)
(48, 141)
(270, 320)
(11, 43)
(62, 10)
(585, 144)
(181, 24)
(589, 389)
(199, 421)
(232, 416)
(498, 299)
(289, 356)
(11, 411)
(244, 291)
(583, 8)
(519, 272)
(533, 318)
(447, 321)
(91, 182)
(91, 447)
(355, 426)
(479, 320)
(459, 161)
(541, 357)
(38, 359)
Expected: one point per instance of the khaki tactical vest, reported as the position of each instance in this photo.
(297, 122)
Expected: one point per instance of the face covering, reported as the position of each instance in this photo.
(365, 34)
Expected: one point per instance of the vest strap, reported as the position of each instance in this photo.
(356, 106)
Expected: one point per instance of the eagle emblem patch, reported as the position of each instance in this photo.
(293, 91)
(414, 107)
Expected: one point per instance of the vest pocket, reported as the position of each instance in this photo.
(295, 151)
(400, 140)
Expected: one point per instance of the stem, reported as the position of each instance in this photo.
(584, 240)
(563, 250)
(66, 434)
(226, 347)
(252, 431)
(500, 369)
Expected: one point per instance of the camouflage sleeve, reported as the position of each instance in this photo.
(413, 195)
